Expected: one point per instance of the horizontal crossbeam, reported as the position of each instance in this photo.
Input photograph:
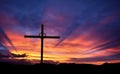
(32, 36)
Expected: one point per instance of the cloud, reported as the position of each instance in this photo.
(107, 36)
(5, 53)
(96, 59)
(5, 38)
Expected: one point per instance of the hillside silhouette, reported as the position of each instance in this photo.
(107, 68)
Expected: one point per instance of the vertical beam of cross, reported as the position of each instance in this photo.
(41, 36)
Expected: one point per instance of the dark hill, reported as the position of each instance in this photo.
(111, 68)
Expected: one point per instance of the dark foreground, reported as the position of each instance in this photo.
(60, 69)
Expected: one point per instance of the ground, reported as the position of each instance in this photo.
(60, 68)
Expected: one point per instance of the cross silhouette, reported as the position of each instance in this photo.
(42, 36)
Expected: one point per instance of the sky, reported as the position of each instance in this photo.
(89, 30)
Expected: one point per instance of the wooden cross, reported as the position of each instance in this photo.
(41, 36)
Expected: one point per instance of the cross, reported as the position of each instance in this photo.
(42, 36)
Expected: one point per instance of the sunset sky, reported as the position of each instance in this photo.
(89, 29)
